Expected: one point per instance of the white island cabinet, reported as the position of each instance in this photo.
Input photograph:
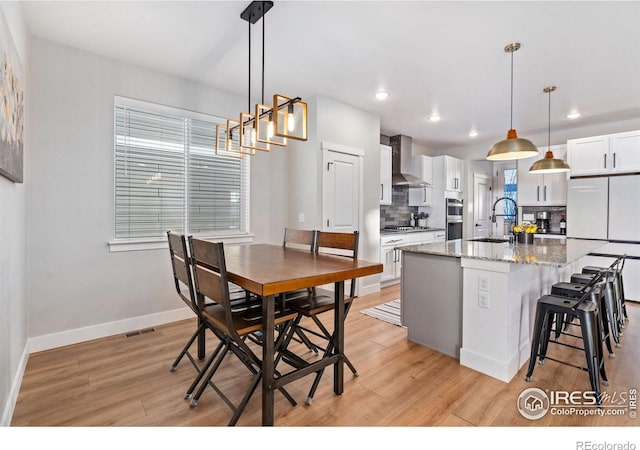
(478, 300)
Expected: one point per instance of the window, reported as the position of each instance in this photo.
(168, 177)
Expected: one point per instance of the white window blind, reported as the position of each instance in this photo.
(168, 177)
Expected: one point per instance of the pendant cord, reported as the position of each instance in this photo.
(511, 127)
(549, 129)
(263, 17)
(249, 95)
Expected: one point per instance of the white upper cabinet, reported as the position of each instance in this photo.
(385, 175)
(542, 189)
(420, 196)
(422, 168)
(597, 155)
(453, 172)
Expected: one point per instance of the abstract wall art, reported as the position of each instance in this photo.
(11, 107)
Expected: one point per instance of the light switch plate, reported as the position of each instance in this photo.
(483, 283)
(301, 217)
(483, 300)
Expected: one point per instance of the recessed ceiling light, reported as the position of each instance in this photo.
(573, 115)
(434, 117)
(473, 133)
(382, 95)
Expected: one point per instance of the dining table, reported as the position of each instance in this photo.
(270, 270)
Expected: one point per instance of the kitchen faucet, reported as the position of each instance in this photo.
(493, 210)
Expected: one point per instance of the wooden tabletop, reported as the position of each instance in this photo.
(272, 269)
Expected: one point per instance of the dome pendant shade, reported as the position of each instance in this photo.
(549, 164)
(511, 148)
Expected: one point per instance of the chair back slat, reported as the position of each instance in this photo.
(338, 241)
(210, 277)
(299, 238)
(340, 244)
(181, 267)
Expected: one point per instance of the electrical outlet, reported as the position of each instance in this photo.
(483, 284)
(301, 217)
(483, 300)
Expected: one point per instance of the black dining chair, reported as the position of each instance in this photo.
(232, 328)
(320, 301)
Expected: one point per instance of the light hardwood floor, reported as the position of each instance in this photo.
(118, 381)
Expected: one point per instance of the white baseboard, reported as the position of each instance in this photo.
(10, 405)
(368, 289)
(54, 340)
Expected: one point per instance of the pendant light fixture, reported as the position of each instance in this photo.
(549, 164)
(512, 147)
(269, 125)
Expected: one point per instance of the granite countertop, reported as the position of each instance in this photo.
(546, 252)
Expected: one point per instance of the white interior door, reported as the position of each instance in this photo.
(341, 192)
(481, 205)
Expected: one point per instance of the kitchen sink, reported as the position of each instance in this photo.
(491, 240)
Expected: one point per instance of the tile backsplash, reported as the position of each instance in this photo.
(399, 213)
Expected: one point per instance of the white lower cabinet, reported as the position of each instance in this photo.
(391, 251)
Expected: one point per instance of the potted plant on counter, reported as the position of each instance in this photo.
(525, 232)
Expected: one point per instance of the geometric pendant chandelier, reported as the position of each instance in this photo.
(512, 147)
(266, 125)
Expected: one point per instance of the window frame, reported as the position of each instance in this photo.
(133, 244)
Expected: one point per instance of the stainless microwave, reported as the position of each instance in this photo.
(454, 210)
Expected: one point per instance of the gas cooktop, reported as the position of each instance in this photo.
(405, 229)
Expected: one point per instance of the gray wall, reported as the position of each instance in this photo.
(74, 280)
(13, 247)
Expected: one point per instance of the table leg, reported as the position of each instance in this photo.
(268, 313)
(201, 340)
(338, 370)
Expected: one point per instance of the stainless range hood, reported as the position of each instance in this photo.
(401, 162)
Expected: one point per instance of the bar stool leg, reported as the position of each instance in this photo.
(603, 372)
(589, 327)
(606, 331)
(611, 315)
(546, 335)
(537, 331)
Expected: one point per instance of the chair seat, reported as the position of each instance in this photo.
(244, 322)
(313, 304)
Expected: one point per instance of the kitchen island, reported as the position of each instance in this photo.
(476, 300)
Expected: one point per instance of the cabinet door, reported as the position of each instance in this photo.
(529, 184)
(422, 168)
(589, 156)
(388, 259)
(625, 151)
(385, 175)
(554, 185)
(453, 174)
(420, 196)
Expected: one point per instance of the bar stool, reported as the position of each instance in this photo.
(611, 306)
(587, 313)
(576, 290)
(615, 273)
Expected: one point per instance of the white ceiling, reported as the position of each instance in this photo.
(430, 56)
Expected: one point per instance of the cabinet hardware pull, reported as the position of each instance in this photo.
(605, 160)
(545, 193)
(614, 160)
(329, 164)
(538, 193)
(425, 195)
(381, 191)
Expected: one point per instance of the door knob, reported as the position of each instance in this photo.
(478, 225)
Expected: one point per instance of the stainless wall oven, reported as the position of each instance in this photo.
(454, 218)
